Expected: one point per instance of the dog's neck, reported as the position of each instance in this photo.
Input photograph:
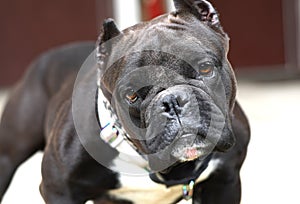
(182, 173)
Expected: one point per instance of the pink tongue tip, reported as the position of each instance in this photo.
(191, 153)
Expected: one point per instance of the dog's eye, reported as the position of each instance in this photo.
(132, 96)
(206, 68)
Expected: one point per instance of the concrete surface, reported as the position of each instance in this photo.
(271, 171)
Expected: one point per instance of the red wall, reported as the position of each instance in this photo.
(255, 28)
(32, 26)
(256, 31)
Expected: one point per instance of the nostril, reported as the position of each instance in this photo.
(172, 105)
(167, 107)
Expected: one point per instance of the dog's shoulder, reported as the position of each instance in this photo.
(51, 68)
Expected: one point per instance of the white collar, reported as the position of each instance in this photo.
(112, 132)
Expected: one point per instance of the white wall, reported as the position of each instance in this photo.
(298, 34)
(170, 5)
(126, 12)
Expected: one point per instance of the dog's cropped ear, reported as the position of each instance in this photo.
(109, 31)
(202, 9)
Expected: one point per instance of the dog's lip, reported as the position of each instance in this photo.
(179, 164)
(193, 151)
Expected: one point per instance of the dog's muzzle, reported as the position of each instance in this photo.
(183, 124)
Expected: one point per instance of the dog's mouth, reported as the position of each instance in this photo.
(190, 147)
(181, 172)
(182, 151)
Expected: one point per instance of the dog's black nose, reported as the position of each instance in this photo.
(173, 104)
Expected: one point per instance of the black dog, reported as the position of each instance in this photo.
(166, 88)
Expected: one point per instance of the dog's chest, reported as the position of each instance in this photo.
(141, 189)
(144, 190)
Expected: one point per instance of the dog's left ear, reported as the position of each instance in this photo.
(109, 31)
(202, 9)
(104, 45)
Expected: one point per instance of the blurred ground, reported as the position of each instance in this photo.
(271, 171)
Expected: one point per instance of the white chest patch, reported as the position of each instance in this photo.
(141, 189)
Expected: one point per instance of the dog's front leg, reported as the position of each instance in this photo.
(219, 190)
(21, 127)
(70, 175)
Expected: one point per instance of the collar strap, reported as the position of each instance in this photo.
(112, 133)
(111, 130)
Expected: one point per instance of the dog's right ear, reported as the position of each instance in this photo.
(109, 31)
(203, 10)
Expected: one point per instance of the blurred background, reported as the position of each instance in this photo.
(265, 53)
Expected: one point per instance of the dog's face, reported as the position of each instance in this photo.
(171, 84)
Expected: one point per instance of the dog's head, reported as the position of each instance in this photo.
(170, 83)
